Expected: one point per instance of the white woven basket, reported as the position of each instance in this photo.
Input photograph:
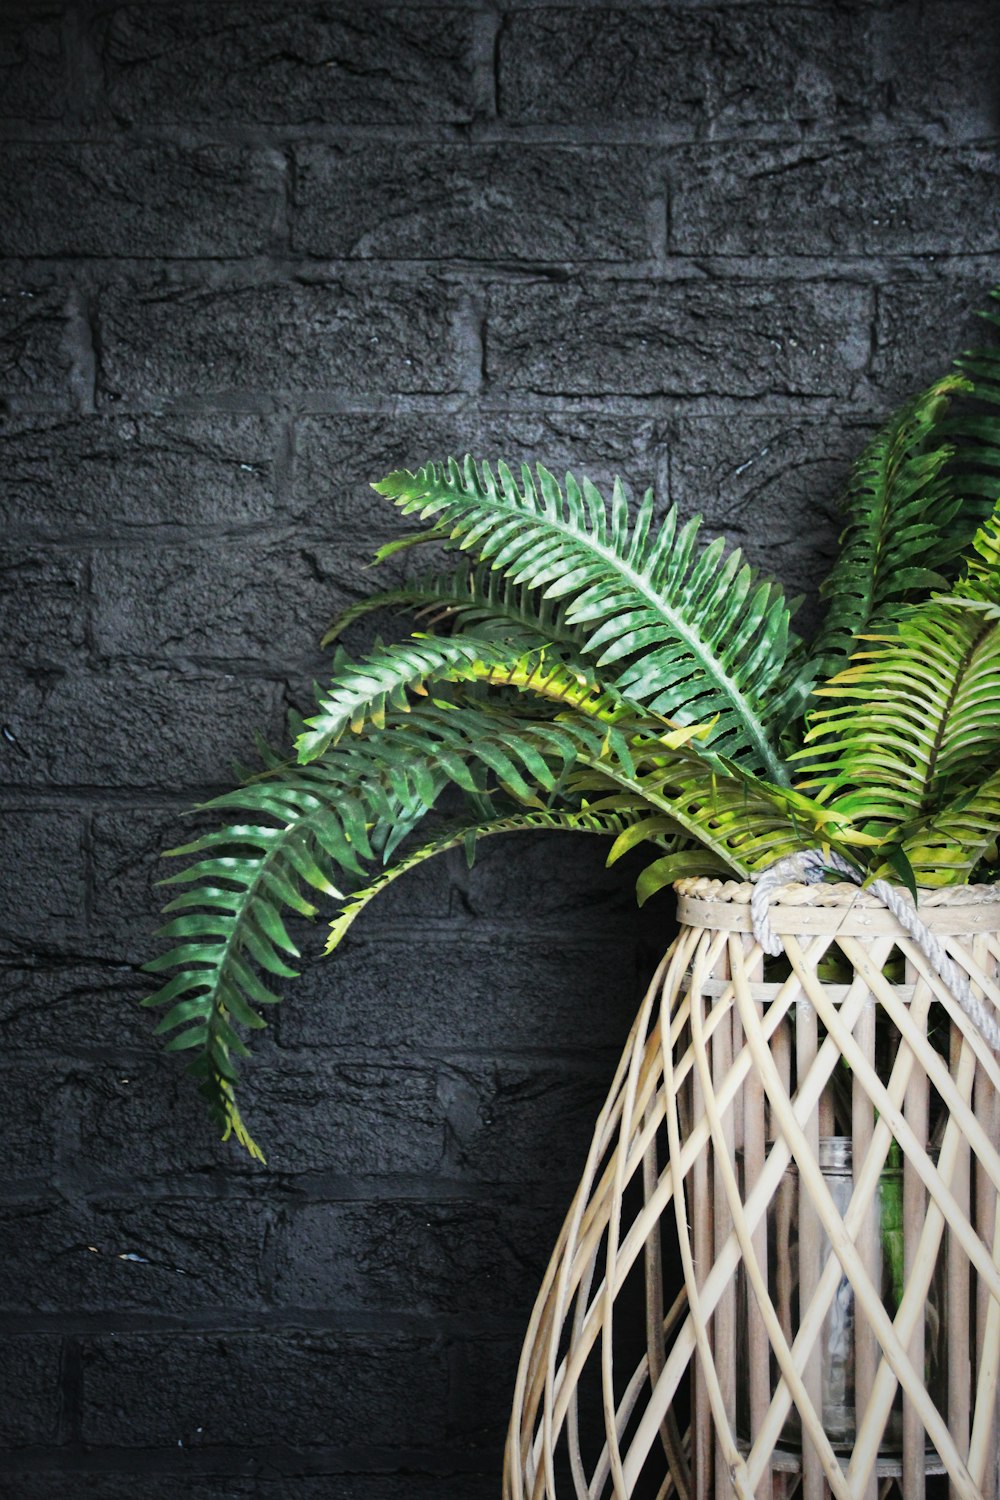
(727, 1086)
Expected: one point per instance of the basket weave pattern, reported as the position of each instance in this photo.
(727, 1083)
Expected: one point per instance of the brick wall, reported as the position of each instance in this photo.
(256, 253)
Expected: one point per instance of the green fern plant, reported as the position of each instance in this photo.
(591, 668)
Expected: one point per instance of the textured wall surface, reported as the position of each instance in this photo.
(254, 254)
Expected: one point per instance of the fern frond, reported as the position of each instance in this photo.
(385, 678)
(982, 566)
(973, 427)
(473, 599)
(739, 822)
(914, 720)
(946, 849)
(899, 507)
(310, 824)
(228, 925)
(683, 865)
(459, 835)
(684, 860)
(362, 692)
(691, 633)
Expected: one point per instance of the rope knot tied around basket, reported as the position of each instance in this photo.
(809, 866)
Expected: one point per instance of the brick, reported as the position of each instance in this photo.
(127, 864)
(309, 1390)
(37, 1103)
(284, 1480)
(119, 1109)
(34, 355)
(522, 1122)
(407, 1485)
(45, 902)
(33, 74)
(168, 730)
(484, 1371)
(835, 199)
(345, 336)
(74, 1008)
(29, 1389)
(355, 1119)
(168, 200)
(221, 601)
(592, 443)
(43, 607)
(434, 994)
(730, 68)
(941, 72)
(920, 328)
(550, 878)
(434, 1258)
(792, 472)
(116, 1256)
(507, 202)
(331, 64)
(339, 456)
(83, 476)
(678, 338)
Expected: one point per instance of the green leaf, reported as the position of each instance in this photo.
(368, 791)
(670, 867)
(903, 870)
(946, 848)
(739, 822)
(467, 835)
(403, 544)
(900, 510)
(693, 635)
(196, 1037)
(477, 601)
(915, 720)
(363, 691)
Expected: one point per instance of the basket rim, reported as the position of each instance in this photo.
(839, 894)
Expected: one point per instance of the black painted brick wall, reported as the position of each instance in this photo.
(255, 254)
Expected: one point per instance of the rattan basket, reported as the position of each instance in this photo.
(730, 1080)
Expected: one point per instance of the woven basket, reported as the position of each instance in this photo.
(727, 1086)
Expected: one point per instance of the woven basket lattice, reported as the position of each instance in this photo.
(838, 1327)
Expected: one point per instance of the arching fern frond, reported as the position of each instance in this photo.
(738, 822)
(982, 564)
(310, 824)
(472, 598)
(472, 830)
(690, 632)
(362, 691)
(900, 508)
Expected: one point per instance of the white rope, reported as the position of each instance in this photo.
(809, 867)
